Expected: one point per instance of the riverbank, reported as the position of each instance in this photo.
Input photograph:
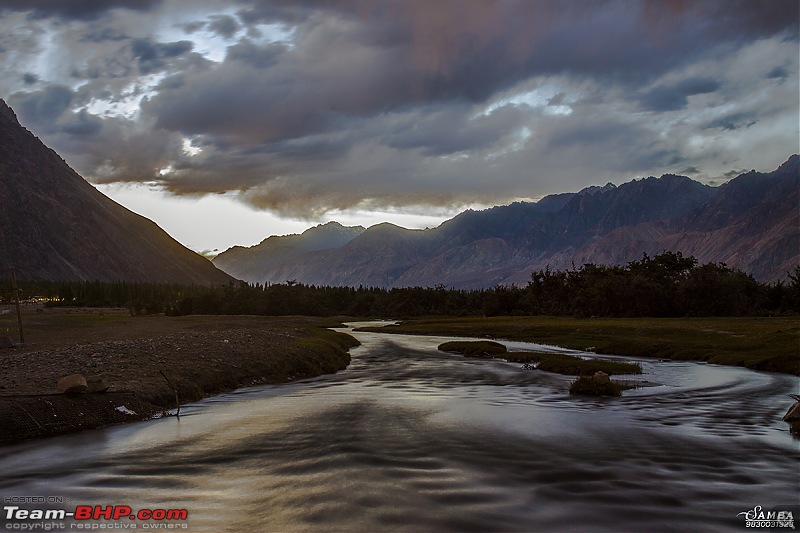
(201, 356)
(763, 343)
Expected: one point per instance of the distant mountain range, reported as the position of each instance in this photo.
(752, 223)
(55, 226)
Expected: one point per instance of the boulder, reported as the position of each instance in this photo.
(72, 384)
(601, 377)
(793, 413)
(97, 384)
(5, 342)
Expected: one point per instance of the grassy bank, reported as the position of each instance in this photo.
(301, 354)
(201, 355)
(759, 343)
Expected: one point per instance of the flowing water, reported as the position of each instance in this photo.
(412, 439)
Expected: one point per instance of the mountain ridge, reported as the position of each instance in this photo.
(751, 222)
(246, 262)
(56, 226)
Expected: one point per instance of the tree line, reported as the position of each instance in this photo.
(667, 285)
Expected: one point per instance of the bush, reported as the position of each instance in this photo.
(587, 386)
(474, 348)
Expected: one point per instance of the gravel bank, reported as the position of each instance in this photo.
(201, 356)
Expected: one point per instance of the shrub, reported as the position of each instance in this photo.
(587, 386)
(474, 348)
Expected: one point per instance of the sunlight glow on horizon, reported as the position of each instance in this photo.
(223, 221)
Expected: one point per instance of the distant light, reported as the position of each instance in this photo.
(539, 97)
(190, 149)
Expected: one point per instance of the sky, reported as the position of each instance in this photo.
(229, 121)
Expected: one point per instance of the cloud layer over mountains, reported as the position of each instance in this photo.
(307, 106)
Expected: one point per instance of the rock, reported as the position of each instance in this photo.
(72, 384)
(601, 377)
(5, 342)
(793, 413)
(97, 384)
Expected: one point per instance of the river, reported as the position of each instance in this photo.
(408, 438)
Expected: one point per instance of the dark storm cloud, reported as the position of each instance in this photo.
(29, 78)
(406, 81)
(108, 67)
(778, 73)
(83, 124)
(675, 97)
(512, 37)
(334, 104)
(303, 94)
(690, 170)
(733, 121)
(82, 9)
(600, 136)
(42, 108)
(441, 130)
(192, 27)
(102, 34)
(224, 25)
(47, 110)
(307, 149)
(250, 54)
(153, 56)
(360, 57)
(123, 149)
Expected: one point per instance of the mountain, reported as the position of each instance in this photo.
(584, 216)
(382, 254)
(251, 263)
(750, 223)
(55, 226)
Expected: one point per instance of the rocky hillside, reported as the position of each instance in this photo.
(55, 226)
(752, 223)
(249, 263)
(749, 223)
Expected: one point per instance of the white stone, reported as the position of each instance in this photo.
(72, 384)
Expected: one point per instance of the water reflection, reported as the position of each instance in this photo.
(412, 439)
